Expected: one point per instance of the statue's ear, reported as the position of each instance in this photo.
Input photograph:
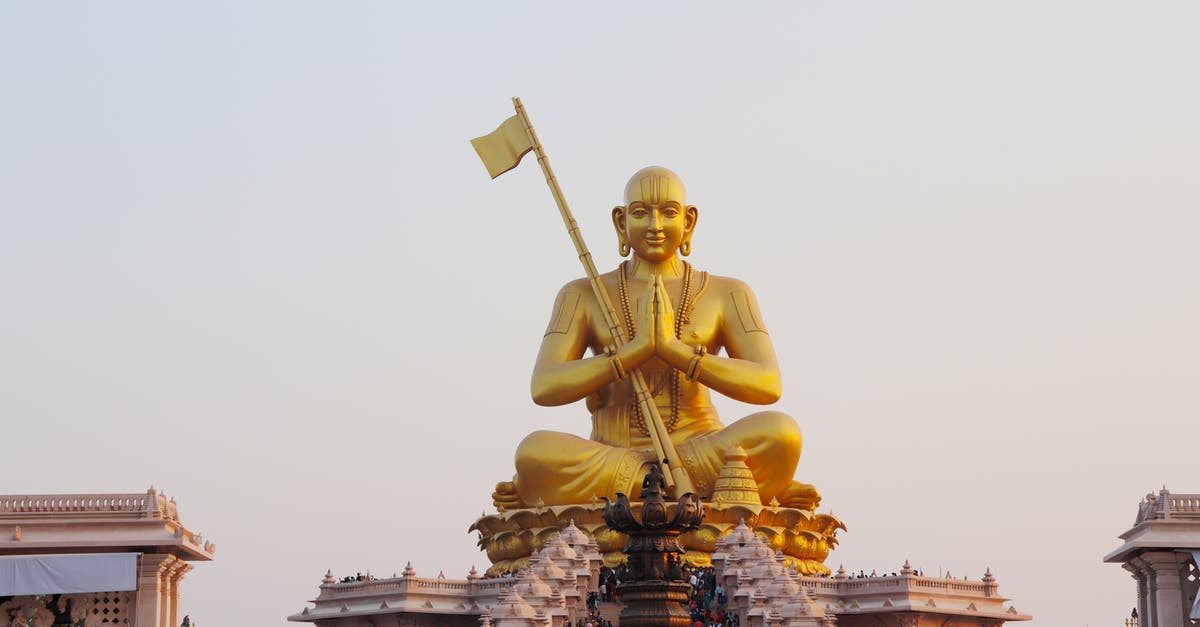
(690, 215)
(618, 218)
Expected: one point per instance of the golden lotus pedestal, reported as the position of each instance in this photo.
(804, 538)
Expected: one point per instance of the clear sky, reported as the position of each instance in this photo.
(247, 255)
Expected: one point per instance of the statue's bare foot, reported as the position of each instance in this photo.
(800, 496)
(506, 497)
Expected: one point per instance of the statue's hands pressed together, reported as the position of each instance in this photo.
(667, 346)
(654, 334)
(644, 343)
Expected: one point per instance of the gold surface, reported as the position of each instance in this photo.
(804, 538)
(667, 310)
(502, 149)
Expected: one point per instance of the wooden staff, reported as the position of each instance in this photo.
(677, 477)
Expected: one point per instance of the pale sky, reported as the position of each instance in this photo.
(247, 255)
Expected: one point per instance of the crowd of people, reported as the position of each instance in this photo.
(707, 600)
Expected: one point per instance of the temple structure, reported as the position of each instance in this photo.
(1162, 552)
(103, 559)
(763, 591)
(642, 349)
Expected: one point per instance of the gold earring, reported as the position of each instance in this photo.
(623, 248)
(685, 248)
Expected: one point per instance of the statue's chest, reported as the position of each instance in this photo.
(696, 325)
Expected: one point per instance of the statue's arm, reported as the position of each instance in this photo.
(561, 374)
(750, 372)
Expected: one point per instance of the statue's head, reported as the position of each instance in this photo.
(656, 222)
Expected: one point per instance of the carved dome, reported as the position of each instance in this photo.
(735, 484)
(559, 550)
(574, 537)
(530, 586)
(546, 569)
(514, 606)
(740, 535)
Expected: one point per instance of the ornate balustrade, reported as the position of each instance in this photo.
(833, 585)
(1167, 506)
(422, 585)
(149, 504)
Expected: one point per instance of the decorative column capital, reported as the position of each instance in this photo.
(1165, 565)
(153, 564)
(1161, 562)
(174, 570)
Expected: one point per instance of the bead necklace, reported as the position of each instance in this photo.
(681, 318)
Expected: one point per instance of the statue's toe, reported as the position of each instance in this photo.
(506, 497)
(801, 496)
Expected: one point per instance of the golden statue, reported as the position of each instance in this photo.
(671, 334)
(679, 319)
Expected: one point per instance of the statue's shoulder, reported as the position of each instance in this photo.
(579, 288)
(738, 302)
(724, 285)
(577, 285)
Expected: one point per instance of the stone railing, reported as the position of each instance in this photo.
(1167, 506)
(421, 585)
(146, 505)
(839, 586)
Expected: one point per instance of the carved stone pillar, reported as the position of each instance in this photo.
(178, 570)
(164, 589)
(148, 610)
(1168, 591)
(1148, 612)
(1138, 572)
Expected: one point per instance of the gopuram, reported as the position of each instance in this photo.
(644, 347)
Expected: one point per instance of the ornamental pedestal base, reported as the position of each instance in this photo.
(655, 604)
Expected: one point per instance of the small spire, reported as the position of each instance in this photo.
(329, 577)
(409, 571)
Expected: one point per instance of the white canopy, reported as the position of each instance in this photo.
(57, 574)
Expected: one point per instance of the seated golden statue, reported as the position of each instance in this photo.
(678, 320)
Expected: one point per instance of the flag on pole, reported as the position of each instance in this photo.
(502, 149)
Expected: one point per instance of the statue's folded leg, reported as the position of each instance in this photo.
(772, 443)
(559, 468)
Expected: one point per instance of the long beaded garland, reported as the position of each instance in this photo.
(680, 319)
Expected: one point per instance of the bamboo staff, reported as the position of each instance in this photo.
(676, 477)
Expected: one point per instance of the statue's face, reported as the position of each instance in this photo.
(656, 219)
(655, 230)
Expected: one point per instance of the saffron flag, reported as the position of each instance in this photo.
(502, 149)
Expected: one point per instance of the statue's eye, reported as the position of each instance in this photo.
(638, 213)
